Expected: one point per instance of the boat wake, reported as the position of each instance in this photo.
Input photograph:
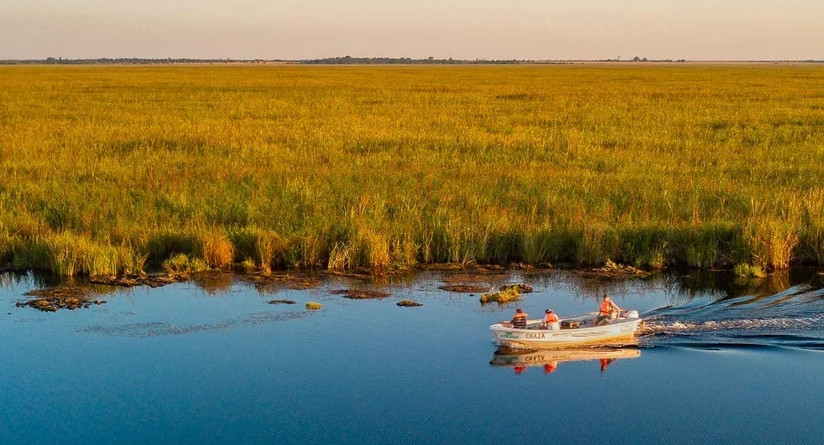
(793, 318)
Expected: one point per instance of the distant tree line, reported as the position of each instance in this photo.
(128, 61)
(644, 59)
(348, 60)
(639, 59)
(345, 60)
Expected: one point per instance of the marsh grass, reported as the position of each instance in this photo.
(180, 264)
(109, 169)
(749, 271)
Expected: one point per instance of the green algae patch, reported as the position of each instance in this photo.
(504, 296)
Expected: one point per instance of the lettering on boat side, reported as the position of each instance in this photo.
(508, 335)
(535, 335)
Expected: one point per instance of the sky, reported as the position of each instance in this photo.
(461, 29)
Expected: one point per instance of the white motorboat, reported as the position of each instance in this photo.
(569, 332)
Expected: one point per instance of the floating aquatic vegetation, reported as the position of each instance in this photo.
(520, 287)
(463, 288)
(611, 270)
(360, 294)
(506, 295)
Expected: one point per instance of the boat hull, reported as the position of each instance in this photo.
(620, 332)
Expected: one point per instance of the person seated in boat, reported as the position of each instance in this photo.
(608, 307)
(519, 320)
(549, 318)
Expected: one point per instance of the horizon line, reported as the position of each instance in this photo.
(380, 60)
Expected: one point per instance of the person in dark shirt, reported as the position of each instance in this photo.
(519, 320)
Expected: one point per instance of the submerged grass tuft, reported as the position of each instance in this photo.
(749, 271)
(181, 264)
(505, 295)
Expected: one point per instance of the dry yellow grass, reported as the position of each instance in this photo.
(116, 168)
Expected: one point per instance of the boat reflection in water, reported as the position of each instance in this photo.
(521, 359)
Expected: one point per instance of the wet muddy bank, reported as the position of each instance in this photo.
(139, 279)
(491, 284)
(52, 299)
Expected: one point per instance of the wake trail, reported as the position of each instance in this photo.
(790, 318)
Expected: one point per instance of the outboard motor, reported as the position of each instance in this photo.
(632, 314)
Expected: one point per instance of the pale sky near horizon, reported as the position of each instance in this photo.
(462, 29)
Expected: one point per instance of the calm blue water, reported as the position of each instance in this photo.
(214, 363)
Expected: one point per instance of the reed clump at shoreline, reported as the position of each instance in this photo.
(113, 170)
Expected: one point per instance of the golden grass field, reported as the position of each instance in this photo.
(118, 168)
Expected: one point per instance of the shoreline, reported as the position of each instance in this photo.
(71, 293)
(609, 271)
(498, 285)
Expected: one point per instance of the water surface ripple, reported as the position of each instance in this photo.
(793, 318)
